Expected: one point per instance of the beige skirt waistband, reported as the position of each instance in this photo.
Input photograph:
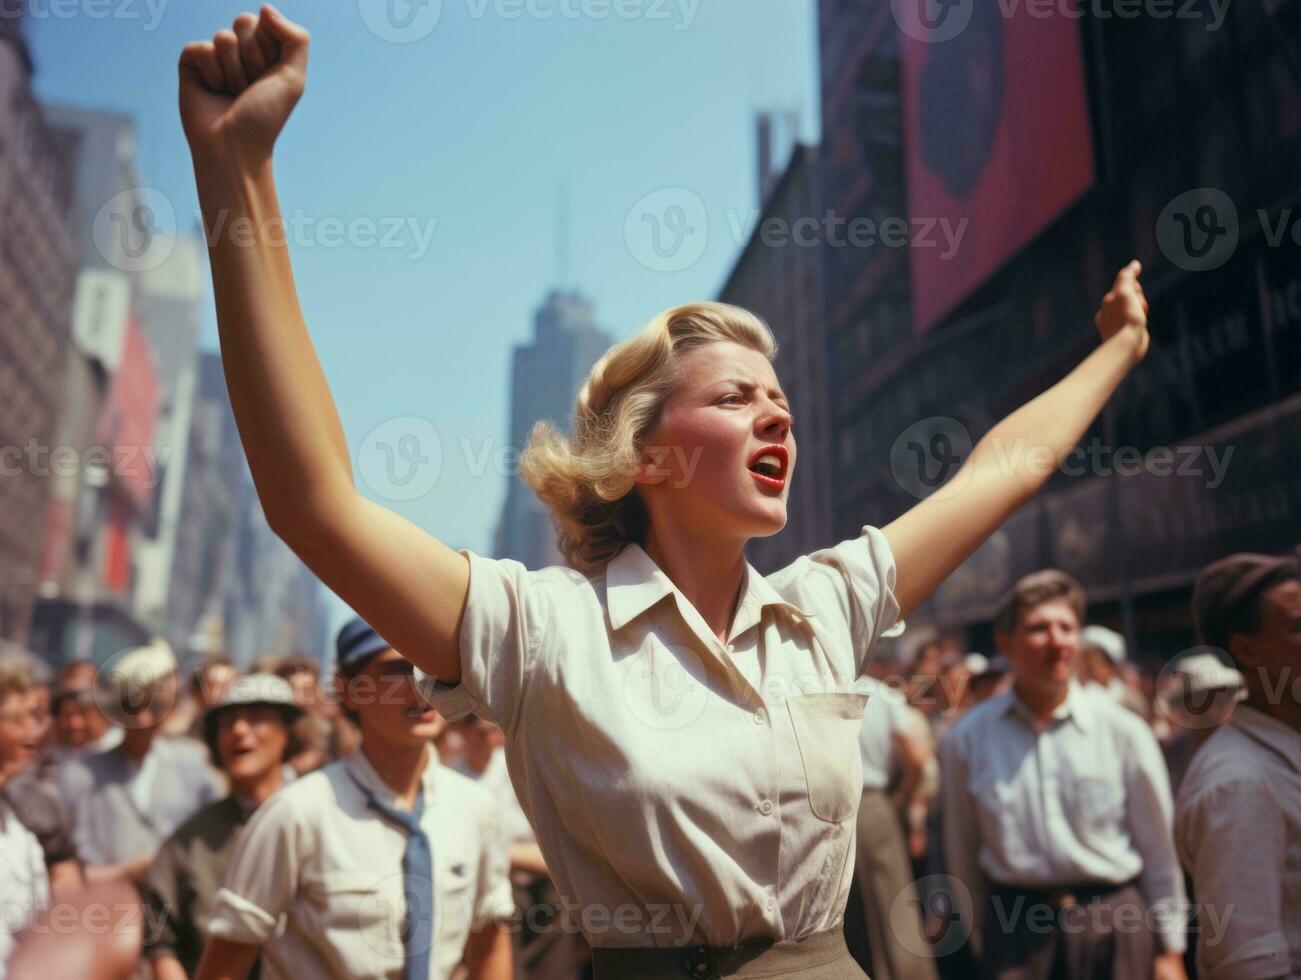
(822, 955)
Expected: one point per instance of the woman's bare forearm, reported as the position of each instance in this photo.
(1027, 446)
(286, 416)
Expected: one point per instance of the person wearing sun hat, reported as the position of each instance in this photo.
(127, 800)
(1102, 656)
(1238, 814)
(247, 732)
(383, 864)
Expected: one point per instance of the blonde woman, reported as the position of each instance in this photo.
(682, 731)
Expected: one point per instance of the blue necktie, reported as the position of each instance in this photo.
(417, 885)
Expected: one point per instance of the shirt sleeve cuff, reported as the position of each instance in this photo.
(451, 701)
(498, 905)
(240, 921)
(1259, 958)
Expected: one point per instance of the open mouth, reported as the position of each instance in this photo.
(769, 465)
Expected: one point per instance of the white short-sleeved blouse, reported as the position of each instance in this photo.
(683, 790)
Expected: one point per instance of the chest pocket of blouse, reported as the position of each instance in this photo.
(826, 730)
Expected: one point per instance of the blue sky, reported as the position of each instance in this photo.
(462, 135)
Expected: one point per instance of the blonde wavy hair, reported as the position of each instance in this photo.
(586, 480)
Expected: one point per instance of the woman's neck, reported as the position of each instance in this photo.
(709, 574)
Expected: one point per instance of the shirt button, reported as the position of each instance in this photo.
(765, 807)
(760, 717)
(771, 904)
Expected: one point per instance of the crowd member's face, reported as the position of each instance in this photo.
(20, 731)
(251, 741)
(1274, 650)
(384, 697)
(78, 722)
(726, 407)
(1043, 646)
(145, 710)
(79, 674)
(1097, 666)
(41, 709)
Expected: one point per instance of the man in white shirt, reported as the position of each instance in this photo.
(384, 864)
(1238, 818)
(1057, 813)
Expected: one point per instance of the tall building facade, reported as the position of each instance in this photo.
(102, 499)
(170, 300)
(546, 374)
(37, 271)
(235, 588)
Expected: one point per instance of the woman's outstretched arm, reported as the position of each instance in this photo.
(236, 93)
(1016, 457)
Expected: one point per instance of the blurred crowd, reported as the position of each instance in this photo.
(1019, 807)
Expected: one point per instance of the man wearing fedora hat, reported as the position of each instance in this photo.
(383, 864)
(1238, 815)
(247, 732)
(126, 801)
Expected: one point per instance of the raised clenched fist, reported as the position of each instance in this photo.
(1124, 308)
(238, 89)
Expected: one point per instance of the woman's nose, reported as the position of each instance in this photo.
(776, 421)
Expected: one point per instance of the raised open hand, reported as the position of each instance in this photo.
(238, 89)
(1124, 308)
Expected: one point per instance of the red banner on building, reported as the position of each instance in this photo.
(996, 135)
(126, 424)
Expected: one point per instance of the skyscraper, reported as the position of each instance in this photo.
(545, 376)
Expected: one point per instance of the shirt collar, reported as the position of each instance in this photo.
(1075, 707)
(634, 583)
(1270, 732)
(370, 780)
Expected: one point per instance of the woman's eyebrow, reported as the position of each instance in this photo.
(774, 393)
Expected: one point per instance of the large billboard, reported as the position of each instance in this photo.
(996, 135)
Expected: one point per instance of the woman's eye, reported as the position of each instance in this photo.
(727, 398)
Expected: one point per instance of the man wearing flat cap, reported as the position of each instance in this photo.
(383, 864)
(1238, 814)
(247, 731)
(126, 801)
